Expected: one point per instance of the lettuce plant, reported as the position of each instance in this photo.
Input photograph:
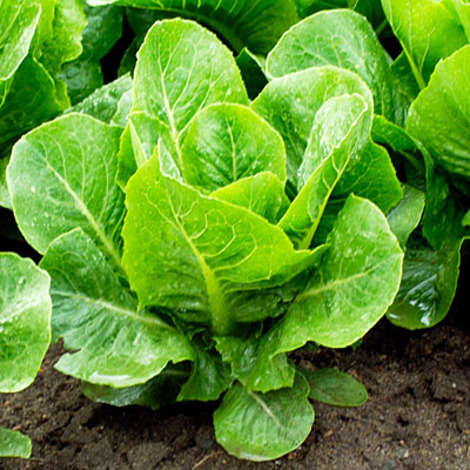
(205, 218)
(219, 268)
(25, 312)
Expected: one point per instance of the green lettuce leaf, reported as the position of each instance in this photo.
(261, 427)
(14, 444)
(252, 68)
(18, 23)
(428, 286)
(340, 128)
(334, 388)
(209, 378)
(421, 26)
(107, 102)
(218, 249)
(104, 27)
(406, 215)
(160, 391)
(256, 24)
(62, 176)
(440, 116)
(115, 342)
(262, 194)
(227, 142)
(290, 103)
(25, 312)
(181, 69)
(342, 38)
(354, 286)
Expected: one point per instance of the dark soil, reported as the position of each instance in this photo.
(417, 417)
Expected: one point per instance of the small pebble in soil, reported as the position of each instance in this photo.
(389, 465)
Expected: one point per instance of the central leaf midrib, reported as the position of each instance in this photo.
(216, 298)
(264, 406)
(123, 311)
(338, 282)
(83, 209)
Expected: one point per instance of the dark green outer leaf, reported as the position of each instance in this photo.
(261, 427)
(158, 392)
(252, 68)
(33, 98)
(210, 377)
(428, 287)
(256, 24)
(335, 388)
(103, 104)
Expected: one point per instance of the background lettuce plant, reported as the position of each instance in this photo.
(213, 210)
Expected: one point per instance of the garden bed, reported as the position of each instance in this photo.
(417, 416)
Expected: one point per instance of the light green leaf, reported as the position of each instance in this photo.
(4, 195)
(421, 26)
(160, 391)
(103, 104)
(440, 116)
(290, 104)
(335, 388)
(33, 98)
(253, 365)
(117, 344)
(121, 116)
(342, 38)
(227, 142)
(62, 176)
(406, 215)
(428, 286)
(25, 312)
(18, 22)
(466, 219)
(210, 377)
(340, 128)
(353, 288)
(181, 69)
(256, 24)
(262, 194)
(217, 248)
(252, 68)
(371, 175)
(14, 444)
(261, 427)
